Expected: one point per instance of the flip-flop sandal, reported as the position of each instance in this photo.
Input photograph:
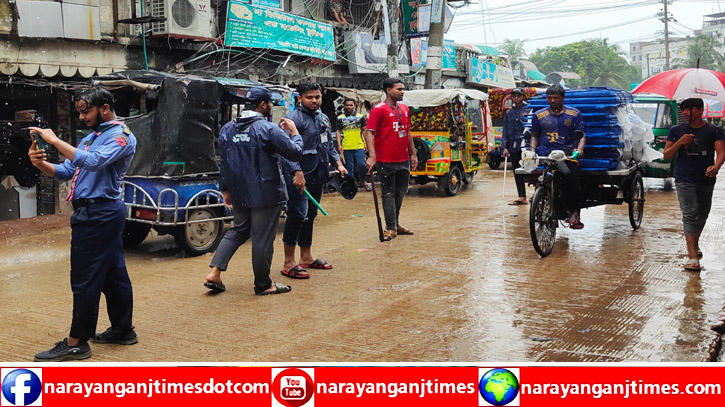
(279, 289)
(215, 287)
(318, 264)
(514, 203)
(404, 231)
(693, 265)
(296, 272)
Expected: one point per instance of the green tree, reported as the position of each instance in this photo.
(702, 49)
(513, 48)
(596, 61)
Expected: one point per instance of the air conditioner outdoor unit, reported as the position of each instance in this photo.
(184, 18)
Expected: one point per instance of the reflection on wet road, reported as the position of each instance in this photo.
(467, 287)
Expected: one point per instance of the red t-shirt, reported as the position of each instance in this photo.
(391, 127)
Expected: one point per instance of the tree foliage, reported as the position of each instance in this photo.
(596, 61)
(702, 48)
(514, 49)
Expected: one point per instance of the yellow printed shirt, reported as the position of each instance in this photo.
(351, 129)
(556, 132)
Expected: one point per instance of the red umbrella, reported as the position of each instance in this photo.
(686, 83)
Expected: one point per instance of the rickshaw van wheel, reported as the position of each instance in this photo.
(636, 202)
(134, 233)
(200, 237)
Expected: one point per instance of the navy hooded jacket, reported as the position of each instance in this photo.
(250, 147)
(319, 146)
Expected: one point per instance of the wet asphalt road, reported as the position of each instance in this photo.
(467, 287)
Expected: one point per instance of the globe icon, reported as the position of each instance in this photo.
(499, 387)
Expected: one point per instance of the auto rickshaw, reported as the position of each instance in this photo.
(450, 129)
(172, 183)
(662, 114)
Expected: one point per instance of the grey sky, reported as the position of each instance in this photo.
(557, 22)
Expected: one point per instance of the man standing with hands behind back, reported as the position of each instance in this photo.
(98, 266)
(390, 146)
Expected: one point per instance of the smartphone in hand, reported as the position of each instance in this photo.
(41, 143)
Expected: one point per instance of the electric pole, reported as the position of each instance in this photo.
(392, 65)
(434, 58)
(667, 36)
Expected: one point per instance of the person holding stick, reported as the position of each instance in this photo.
(309, 174)
(390, 147)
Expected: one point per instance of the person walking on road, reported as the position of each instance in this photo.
(311, 173)
(390, 147)
(251, 181)
(693, 146)
(95, 169)
(512, 138)
(351, 142)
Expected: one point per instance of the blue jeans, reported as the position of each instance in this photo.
(695, 202)
(355, 164)
(301, 214)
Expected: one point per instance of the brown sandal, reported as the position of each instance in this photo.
(389, 235)
(402, 230)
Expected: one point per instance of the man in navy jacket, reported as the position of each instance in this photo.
(251, 180)
(311, 173)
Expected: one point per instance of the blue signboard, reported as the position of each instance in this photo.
(257, 27)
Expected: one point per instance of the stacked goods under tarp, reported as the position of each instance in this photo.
(177, 137)
(615, 136)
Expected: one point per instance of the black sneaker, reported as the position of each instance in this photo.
(118, 337)
(62, 352)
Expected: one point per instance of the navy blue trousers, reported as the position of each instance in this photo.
(98, 266)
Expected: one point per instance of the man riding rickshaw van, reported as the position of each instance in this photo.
(450, 129)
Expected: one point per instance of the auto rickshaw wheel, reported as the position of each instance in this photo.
(134, 233)
(453, 181)
(542, 222)
(636, 201)
(468, 177)
(494, 162)
(202, 236)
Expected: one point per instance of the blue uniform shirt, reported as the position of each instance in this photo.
(319, 146)
(103, 165)
(513, 128)
(556, 132)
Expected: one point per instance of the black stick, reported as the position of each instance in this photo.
(377, 210)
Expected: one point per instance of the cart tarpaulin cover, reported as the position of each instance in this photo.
(438, 97)
(177, 138)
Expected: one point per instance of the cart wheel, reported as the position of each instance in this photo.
(200, 237)
(494, 162)
(636, 202)
(468, 177)
(542, 223)
(452, 181)
(134, 233)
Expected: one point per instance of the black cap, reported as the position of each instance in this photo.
(517, 90)
(258, 94)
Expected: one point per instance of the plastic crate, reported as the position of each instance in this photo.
(594, 164)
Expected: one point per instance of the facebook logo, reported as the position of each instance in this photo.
(21, 387)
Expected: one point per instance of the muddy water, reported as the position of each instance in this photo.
(467, 287)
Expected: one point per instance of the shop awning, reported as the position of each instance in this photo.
(535, 75)
(68, 59)
(488, 50)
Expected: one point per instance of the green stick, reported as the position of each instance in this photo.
(315, 202)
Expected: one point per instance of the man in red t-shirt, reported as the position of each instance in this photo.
(390, 145)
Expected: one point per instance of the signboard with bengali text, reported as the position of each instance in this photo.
(257, 27)
(486, 73)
